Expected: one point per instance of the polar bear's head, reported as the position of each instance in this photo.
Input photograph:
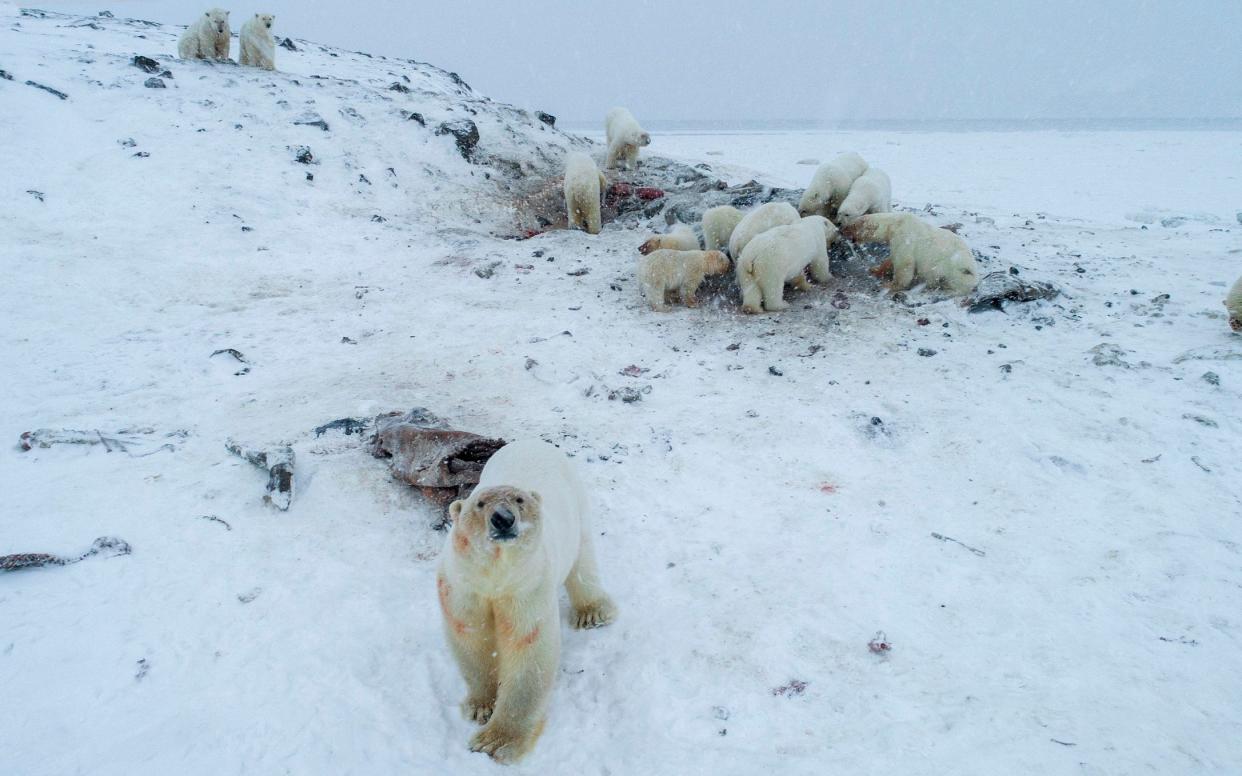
(814, 200)
(715, 263)
(829, 229)
(498, 521)
(862, 229)
(219, 20)
(265, 19)
(644, 139)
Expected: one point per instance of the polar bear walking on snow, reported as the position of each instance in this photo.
(207, 38)
(919, 251)
(871, 193)
(718, 225)
(758, 221)
(256, 47)
(830, 185)
(584, 184)
(780, 256)
(664, 270)
(625, 136)
(520, 534)
(1233, 303)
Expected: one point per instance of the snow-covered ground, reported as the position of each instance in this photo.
(769, 505)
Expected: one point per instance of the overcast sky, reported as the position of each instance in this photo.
(798, 59)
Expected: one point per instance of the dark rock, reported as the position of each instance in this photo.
(466, 134)
(247, 228)
(145, 64)
(378, 219)
(36, 194)
(775, 372)
(166, 74)
(287, 43)
(142, 154)
(1211, 378)
(310, 176)
(303, 155)
(364, 179)
(457, 80)
(926, 352)
(9, 77)
(550, 120)
(397, 86)
(347, 426)
(106, 15)
(996, 288)
(316, 122)
(417, 117)
(155, 83)
(48, 89)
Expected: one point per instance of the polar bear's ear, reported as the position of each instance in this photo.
(535, 497)
(455, 509)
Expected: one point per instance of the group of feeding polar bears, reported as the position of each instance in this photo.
(775, 244)
(209, 37)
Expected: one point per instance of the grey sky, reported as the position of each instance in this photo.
(800, 59)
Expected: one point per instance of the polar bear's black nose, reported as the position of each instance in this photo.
(502, 521)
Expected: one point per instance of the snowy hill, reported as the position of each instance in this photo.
(1039, 508)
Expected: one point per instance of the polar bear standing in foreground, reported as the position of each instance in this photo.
(831, 184)
(207, 38)
(625, 136)
(919, 251)
(779, 256)
(666, 270)
(758, 221)
(718, 225)
(256, 47)
(520, 534)
(871, 193)
(584, 184)
(679, 238)
(1233, 303)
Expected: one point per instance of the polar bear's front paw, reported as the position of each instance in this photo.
(477, 709)
(501, 744)
(595, 614)
(776, 307)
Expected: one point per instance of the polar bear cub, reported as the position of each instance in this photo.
(679, 238)
(830, 185)
(919, 251)
(871, 193)
(1233, 303)
(779, 256)
(718, 225)
(758, 221)
(520, 534)
(584, 185)
(625, 136)
(207, 38)
(256, 47)
(664, 270)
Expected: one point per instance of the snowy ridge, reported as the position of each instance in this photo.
(1038, 508)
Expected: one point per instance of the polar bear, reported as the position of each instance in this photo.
(718, 225)
(584, 184)
(1233, 303)
(207, 38)
(520, 534)
(624, 136)
(779, 256)
(664, 270)
(830, 184)
(758, 221)
(871, 193)
(256, 46)
(679, 238)
(919, 251)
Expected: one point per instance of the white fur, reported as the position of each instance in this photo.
(679, 238)
(780, 256)
(919, 251)
(1233, 303)
(625, 136)
(871, 193)
(664, 270)
(207, 38)
(718, 225)
(758, 221)
(256, 46)
(584, 185)
(830, 185)
(499, 594)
